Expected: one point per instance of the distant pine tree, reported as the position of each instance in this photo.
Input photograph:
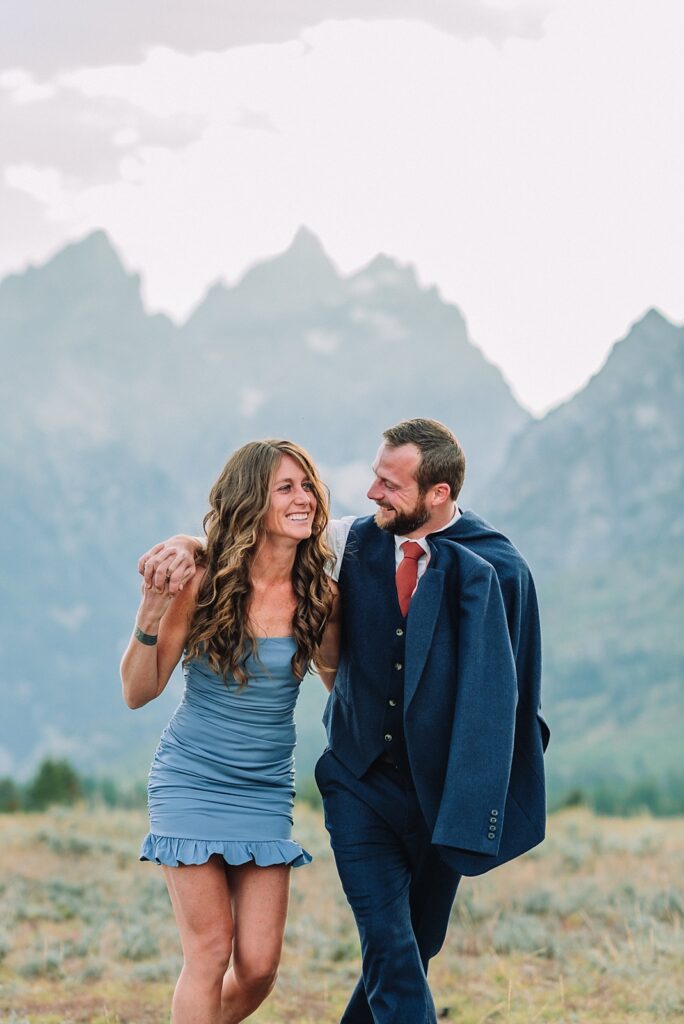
(55, 782)
(10, 796)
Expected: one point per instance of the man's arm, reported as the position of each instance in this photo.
(174, 560)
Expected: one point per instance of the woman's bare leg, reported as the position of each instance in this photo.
(259, 898)
(202, 907)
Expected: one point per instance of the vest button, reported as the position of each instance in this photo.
(392, 703)
(399, 631)
(398, 665)
(388, 737)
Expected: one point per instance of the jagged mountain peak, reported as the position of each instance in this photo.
(650, 355)
(304, 259)
(87, 265)
(94, 255)
(86, 274)
(300, 277)
(614, 446)
(652, 317)
(306, 243)
(651, 328)
(384, 272)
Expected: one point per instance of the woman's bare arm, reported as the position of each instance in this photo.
(327, 661)
(147, 668)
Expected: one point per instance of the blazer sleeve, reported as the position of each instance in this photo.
(471, 810)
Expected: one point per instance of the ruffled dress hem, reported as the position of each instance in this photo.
(173, 852)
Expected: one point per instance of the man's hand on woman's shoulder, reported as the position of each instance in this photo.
(173, 560)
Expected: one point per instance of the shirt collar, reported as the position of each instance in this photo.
(398, 541)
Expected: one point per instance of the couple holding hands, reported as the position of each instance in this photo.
(422, 622)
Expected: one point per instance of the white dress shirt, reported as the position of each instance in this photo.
(338, 532)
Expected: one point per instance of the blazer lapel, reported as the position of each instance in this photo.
(420, 624)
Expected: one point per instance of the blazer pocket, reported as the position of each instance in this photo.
(532, 741)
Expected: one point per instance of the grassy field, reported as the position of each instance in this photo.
(587, 929)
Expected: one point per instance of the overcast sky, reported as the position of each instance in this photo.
(526, 158)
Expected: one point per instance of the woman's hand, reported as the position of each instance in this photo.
(171, 564)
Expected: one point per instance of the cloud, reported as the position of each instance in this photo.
(83, 33)
(323, 342)
(44, 184)
(84, 137)
(255, 120)
(538, 182)
(27, 236)
(251, 400)
(22, 87)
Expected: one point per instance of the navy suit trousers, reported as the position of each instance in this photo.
(399, 890)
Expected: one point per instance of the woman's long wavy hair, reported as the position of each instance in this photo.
(239, 500)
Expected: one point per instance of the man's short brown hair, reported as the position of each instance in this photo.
(442, 459)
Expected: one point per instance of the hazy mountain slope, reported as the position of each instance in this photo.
(592, 494)
(605, 470)
(333, 365)
(115, 424)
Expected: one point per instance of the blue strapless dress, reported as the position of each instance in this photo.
(222, 777)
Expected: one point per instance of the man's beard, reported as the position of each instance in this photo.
(405, 522)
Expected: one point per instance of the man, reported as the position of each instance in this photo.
(434, 767)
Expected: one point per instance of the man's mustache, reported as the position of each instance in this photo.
(388, 508)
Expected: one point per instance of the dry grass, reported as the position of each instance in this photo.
(586, 930)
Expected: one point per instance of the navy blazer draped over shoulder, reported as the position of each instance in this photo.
(470, 655)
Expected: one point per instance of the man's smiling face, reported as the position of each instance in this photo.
(401, 505)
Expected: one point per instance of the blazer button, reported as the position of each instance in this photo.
(392, 703)
(388, 737)
(491, 836)
(398, 665)
(495, 813)
(399, 631)
(493, 821)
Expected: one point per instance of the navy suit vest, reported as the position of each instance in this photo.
(364, 717)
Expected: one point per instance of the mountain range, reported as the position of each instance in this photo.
(116, 422)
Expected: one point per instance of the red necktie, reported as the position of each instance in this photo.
(407, 573)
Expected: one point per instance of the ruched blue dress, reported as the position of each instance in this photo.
(222, 777)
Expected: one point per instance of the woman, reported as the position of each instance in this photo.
(251, 622)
